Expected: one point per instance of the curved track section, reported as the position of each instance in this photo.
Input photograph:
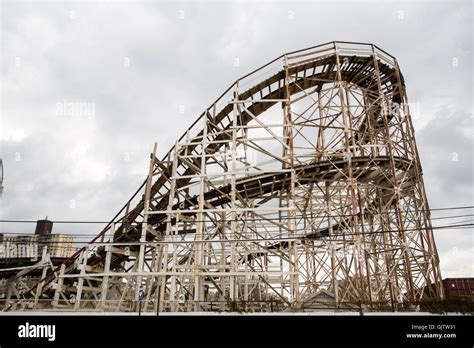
(302, 177)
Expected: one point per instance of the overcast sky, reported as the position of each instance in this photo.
(149, 69)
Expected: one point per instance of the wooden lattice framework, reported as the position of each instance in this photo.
(302, 177)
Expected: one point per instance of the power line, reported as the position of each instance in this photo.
(296, 237)
(246, 219)
(263, 218)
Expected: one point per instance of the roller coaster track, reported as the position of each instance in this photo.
(354, 70)
(364, 153)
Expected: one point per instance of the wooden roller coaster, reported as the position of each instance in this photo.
(301, 179)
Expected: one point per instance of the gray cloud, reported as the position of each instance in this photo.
(138, 62)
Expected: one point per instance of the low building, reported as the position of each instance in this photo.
(457, 288)
(23, 250)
